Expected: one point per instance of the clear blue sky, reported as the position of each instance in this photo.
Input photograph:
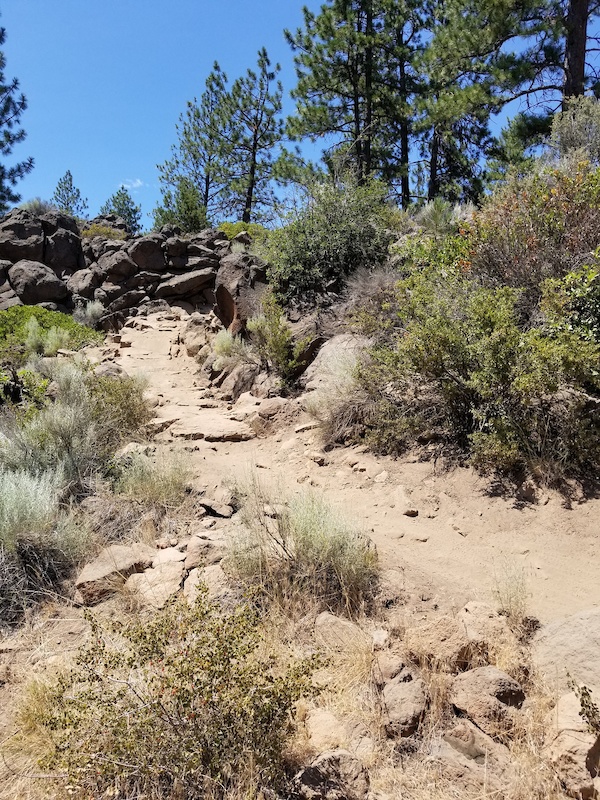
(106, 81)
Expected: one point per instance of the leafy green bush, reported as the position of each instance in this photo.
(272, 337)
(179, 705)
(303, 554)
(338, 230)
(257, 232)
(461, 372)
(230, 350)
(18, 322)
(573, 302)
(577, 129)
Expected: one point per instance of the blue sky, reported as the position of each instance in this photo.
(106, 81)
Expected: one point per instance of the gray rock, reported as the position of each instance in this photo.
(148, 253)
(570, 646)
(405, 706)
(334, 775)
(34, 282)
(240, 379)
(117, 265)
(187, 284)
(238, 291)
(63, 252)
(21, 236)
(110, 569)
(488, 697)
(53, 221)
(83, 282)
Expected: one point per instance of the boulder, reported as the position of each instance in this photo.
(53, 221)
(153, 587)
(335, 362)
(148, 253)
(325, 730)
(405, 705)
(4, 267)
(176, 247)
(488, 697)
(84, 282)
(573, 750)
(570, 647)
(334, 775)
(239, 287)
(127, 300)
(34, 282)
(336, 633)
(8, 297)
(442, 642)
(214, 579)
(21, 237)
(210, 238)
(187, 284)
(110, 569)
(240, 379)
(203, 551)
(117, 266)
(63, 252)
(195, 334)
(115, 223)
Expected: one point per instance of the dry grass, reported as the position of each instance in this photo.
(302, 555)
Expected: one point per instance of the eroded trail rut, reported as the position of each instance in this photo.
(461, 545)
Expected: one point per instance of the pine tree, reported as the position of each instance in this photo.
(201, 153)
(253, 132)
(67, 198)
(121, 203)
(182, 207)
(12, 105)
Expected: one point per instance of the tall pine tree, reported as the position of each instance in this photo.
(12, 105)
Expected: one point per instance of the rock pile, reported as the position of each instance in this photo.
(47, 261)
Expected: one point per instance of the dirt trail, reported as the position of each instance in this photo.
(462, 544)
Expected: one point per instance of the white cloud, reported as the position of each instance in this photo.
(133, 183)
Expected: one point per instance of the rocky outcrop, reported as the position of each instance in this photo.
(47, 259)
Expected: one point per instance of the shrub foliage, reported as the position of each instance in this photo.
(183, 704)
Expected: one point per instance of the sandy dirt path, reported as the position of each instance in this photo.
(463, 544)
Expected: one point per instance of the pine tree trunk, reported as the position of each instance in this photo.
(368, 92)
(433, 187)
(576, 23)
(251, 184)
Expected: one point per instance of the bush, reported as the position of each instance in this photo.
(303, 554)
(462, 373)
(182, 704)
(257, 232)
(540, 226)
(573, 302)
(39, 543)
(103, 231)
(230, 350)
(162, 484)
(274, 341)
(90, 418)
(25, 330)
(337, 231)
(577, 129)
(89, 314)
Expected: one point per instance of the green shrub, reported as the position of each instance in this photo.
(273, 339)
(338, 230)
(24, 330)
(576, 129)
(80, 431)
(182, 704)
(103, 231)
(461, 372)
(39, 543)
(230, 350)
(89, 314)
(304, 554)
(540, 226)
(573, 302)
(257, 232)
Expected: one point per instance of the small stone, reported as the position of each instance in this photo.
(411, 512)
(318, 458)
(381, 639)
(382, 477)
